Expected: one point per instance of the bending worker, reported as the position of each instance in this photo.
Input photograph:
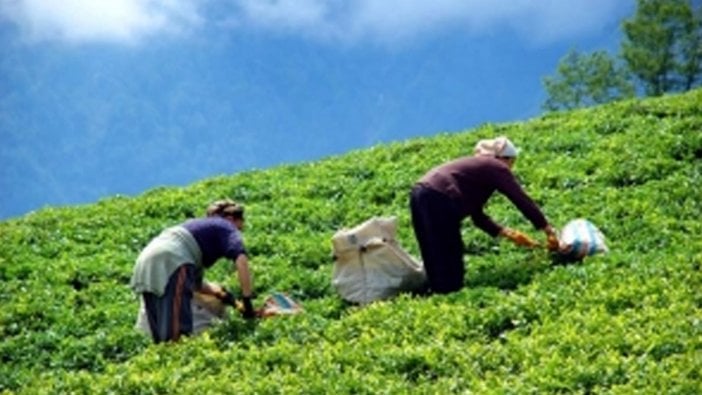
(172, 265)
(447, 194)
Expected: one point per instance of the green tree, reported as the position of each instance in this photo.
(691, 67)
(586, 79)
(662, 45)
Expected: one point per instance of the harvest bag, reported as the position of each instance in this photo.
(279, 303)
(581, 238)
(370, 265)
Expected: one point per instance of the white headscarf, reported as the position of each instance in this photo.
(497, 147)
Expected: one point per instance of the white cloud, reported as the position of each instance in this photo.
(385, 21)
(124, 21)
(537, 21)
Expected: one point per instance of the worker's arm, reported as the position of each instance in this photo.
(211, 289)
(518, 237)
(242, 268)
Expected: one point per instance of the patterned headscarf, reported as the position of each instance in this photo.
(499, 147)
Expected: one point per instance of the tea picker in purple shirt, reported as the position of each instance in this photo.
(450, 192)
(171, 267)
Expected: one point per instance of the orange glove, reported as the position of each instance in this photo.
(518, 238)
(552, 242)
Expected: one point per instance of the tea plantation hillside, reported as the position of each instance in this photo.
(626, 322)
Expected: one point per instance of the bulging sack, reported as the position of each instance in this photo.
(581, 238)
(370, 265)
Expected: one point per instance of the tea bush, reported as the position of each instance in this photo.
(626, 322)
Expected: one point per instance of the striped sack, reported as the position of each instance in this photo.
(581, 238)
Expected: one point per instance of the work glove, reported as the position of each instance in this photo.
(244, 306)
(248, 311)
(518, 238)
(552, 241)
(227, 298)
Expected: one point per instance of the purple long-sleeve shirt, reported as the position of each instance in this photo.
(470, 181)
(216, 237)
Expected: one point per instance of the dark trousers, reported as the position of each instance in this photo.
(170, 315)
(437, 227)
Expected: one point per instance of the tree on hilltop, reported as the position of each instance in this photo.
(661, 52)
(662, 45)
(586, 79)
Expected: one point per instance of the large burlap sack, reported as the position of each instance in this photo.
(370, 265)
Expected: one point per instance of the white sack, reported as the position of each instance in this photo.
(581, 238)
(370, 265)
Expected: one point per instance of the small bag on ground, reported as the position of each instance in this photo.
(370, 265)
(279, 303)
(581, 238)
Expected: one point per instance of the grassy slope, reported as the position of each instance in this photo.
(628, 321)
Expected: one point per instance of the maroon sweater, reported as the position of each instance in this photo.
(470, 181)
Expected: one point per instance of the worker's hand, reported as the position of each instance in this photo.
(227, 298)
(552, 242)
(244, 306)
(518, 238)
(247, 310)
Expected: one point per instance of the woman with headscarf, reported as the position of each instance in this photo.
(171, 267)
(447, 194)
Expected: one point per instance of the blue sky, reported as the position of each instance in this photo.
(99, 98)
